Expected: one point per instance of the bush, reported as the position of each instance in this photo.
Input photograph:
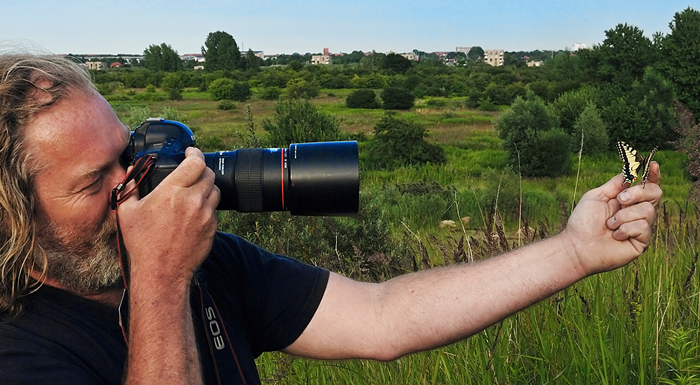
(173, 84)
(394, 98)
(221, 88)
(226, 105)
(363, 98)
(270, 93)
(302, 89)
(298, 121)
(398, 142)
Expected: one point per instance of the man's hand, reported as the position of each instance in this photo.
(169, 232)
(611, 226)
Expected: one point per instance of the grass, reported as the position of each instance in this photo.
(637, 325)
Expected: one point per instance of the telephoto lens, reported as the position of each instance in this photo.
(306, 178)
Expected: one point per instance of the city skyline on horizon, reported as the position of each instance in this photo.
(306, 26)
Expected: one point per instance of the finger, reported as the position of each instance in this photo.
(190, 170)
(654, 173)
(643, 211)
(649, 192)
(637, 232)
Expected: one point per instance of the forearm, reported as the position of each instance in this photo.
(162, 346)
(443, 305)
(435, 307)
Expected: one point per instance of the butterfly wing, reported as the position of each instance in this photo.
(632, 160)
(644, 167)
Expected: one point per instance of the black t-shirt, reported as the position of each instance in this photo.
(265, 302)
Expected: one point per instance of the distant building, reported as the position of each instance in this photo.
(464, 50)
(494, 57)
(197, 57)
(410, 56)
(578, 46)
(321, 59)
(95, 65)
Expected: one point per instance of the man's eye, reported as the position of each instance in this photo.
(94, 185)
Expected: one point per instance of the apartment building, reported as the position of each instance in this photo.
(494, 57)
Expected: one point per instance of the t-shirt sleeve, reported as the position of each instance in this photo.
(278, 295)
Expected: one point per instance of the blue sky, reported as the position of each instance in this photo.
(130, 26)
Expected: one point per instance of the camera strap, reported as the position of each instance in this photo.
(218, 341)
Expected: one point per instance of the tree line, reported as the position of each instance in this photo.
(626, 88)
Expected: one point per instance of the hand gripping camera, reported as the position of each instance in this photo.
(305, 179)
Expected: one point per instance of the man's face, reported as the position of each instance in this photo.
(76, 144)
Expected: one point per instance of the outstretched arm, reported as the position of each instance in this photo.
(610, 227)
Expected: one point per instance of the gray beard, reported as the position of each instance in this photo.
(84, 265)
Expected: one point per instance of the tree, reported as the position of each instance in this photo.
(162, 58)
(535, 145)
(623, 56)
(595, 136)
(252, 61)
(394, 63)
(680, 63)
(298, 121)
(475, 54)
(399, 142)
(221, 52)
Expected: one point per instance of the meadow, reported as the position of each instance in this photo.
(637, 325)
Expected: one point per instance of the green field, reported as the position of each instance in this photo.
(637, 325)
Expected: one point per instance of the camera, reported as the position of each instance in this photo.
(305, 179)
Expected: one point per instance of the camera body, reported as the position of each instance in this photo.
(305, 179)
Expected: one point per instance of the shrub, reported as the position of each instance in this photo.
(398, 142)
(221, 88)
(298, 121)
(394, 98)
(363, 98)
(226, 105)
(270, 93)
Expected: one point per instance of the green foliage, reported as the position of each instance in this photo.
(535, 144)
(590, 128)
(225, 88)
(172, 83)
(680, 53)
(270, 93)
(298, 88)
(221, 88)
(397, 99)
(642, 115)
(623, 56)
(241, 91)
(226, 105)
(570, 105)
(221, 52)
(298, 121)
(364, 98)
(399, 142)
(162, 58)
(395, 63)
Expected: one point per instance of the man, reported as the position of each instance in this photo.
(61, 282)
